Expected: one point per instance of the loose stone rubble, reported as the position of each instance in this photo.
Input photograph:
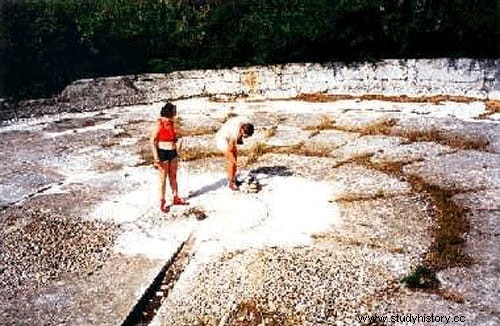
(250, 185)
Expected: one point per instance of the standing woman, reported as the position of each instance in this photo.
(164, 148)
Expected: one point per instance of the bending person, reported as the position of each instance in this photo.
(227, 138)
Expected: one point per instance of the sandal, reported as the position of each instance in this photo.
(180, 201)
(233, 186)
(164, 208)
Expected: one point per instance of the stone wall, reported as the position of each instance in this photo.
(462, 77)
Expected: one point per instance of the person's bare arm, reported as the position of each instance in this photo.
(231, 151)
(179, 130)
(153, 140)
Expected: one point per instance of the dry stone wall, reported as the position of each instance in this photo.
(462, 77)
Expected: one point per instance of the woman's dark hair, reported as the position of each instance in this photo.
(168, 110)
(248, 129)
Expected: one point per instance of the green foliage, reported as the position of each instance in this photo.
(42, 49)
(46, 44)
(421, 278)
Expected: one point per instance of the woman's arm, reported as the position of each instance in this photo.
(153, 140)
(178, 136)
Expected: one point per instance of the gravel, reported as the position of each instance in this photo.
(299, 286)
(40, 244)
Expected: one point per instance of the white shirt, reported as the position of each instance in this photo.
(229, 131)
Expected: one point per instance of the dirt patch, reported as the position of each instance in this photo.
(325, 123)
(301, 149)
(451, 225)
(492, 107)
(382, 127)
(194, 154)
(454, 140)
(385, 127)
(197, 131)
(436, 99)
(250, 313)
(184, 131)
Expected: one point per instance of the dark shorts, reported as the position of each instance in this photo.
(166, 154)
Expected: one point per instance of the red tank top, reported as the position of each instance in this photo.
(167, 131)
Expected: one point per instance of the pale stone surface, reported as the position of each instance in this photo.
(366, 145)
(78, 303)
(480, 200)
(414, 304)
(288, 136)
(463, 170)
(315, 168)
(291, 247)
(483, 244)
(406, 153)
(332, 138)
(387, 222)
(355, 182)
(363, 118)
(475, 284)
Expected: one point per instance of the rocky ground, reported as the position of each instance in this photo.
(357, 195)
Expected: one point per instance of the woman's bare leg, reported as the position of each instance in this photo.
(172, 174)
(163, 171)
(172, 177)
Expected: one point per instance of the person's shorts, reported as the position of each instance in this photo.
(166, 154)
(221, 144)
